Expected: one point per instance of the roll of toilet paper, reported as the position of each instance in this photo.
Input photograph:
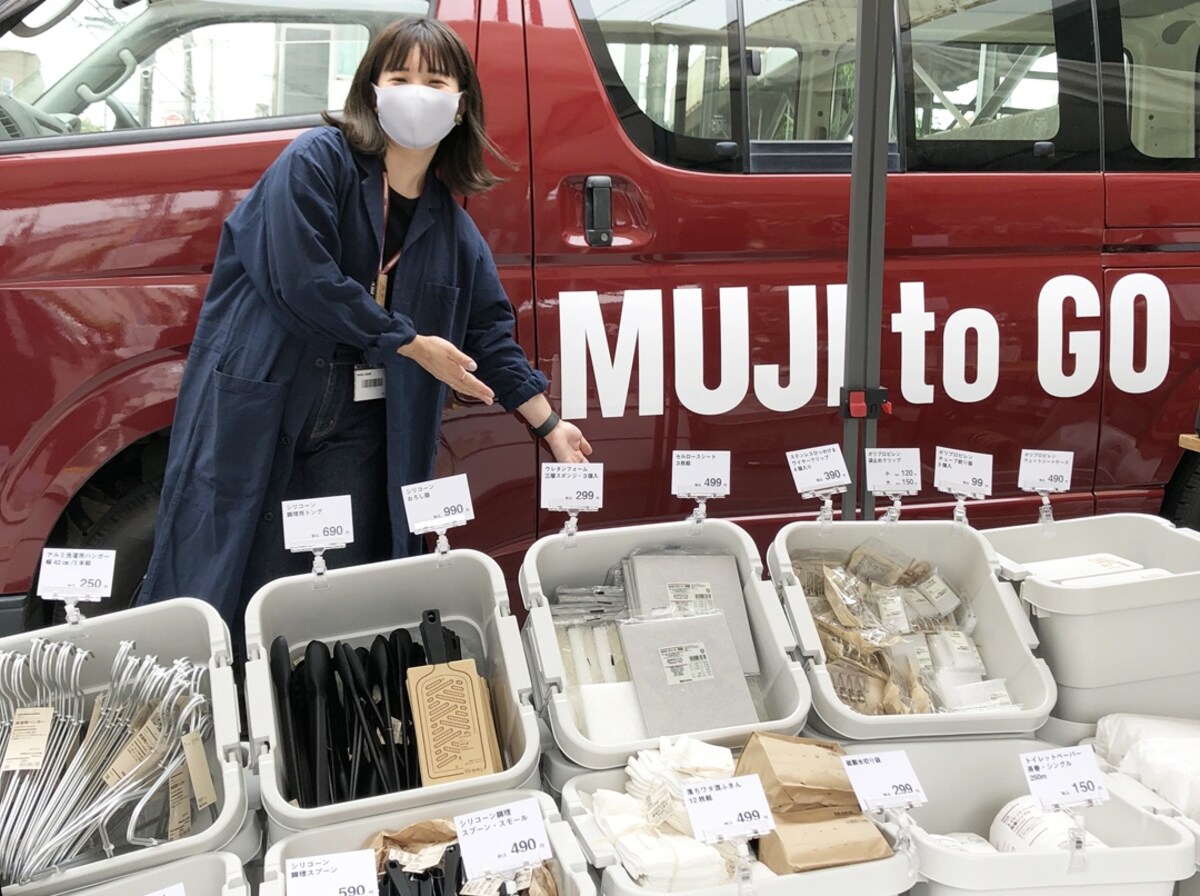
(1024, 825)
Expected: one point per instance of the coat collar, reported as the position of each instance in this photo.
(371, 190)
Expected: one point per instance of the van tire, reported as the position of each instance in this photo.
(1181, 501)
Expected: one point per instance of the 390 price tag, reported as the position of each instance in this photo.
(966, 473)
(572, 486)
(884, 780)
(818, 469)
(1064, 777)
(728, 808)
(438, 504)
(1045, 471)
(503, 839)
(317, 523)
(78, 574)
(700, 474)
(338, 874)
(893, 471)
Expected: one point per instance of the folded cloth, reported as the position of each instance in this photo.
(670, 766)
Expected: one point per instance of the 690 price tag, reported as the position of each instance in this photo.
(1064, 777)
(884, 780)
(337, 874)
(818, 469)
(727, 809)
(572, 486)
(70, 573)
(498, 841)
(317, 523)
(438, 504)
(1045, 471)
(700, 474)
(962, 473)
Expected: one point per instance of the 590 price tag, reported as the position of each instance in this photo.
(338, 874)
(893, 471)
(438, 504)
(884, 780)
(70, 573)
(572, 486)
(818, 469)
(1045, 471)
(700, 474)
(317, 523)
(1064, 777)
(727, 809)
(498, 841)
(963, 473)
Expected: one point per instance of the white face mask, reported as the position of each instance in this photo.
(414, 115)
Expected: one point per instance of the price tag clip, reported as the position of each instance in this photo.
(825, 516)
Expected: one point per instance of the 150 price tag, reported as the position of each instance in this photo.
(317, 523)
(572, 486)
(963, 473)
(338, 874)
(884, 780)
(1064, 777)
(893, 471)
(498, 841)
(727, 809)
(438, 504)
(700, 474)
(70, 573)
(1045, 471)
(818, 469)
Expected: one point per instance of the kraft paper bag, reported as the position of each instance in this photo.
(821, 838)
(798, 773)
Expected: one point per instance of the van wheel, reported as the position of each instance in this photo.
(1181, 501)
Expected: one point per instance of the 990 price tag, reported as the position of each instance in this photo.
(496, 842)
(893, 471)
(78, 574)
(1064, 777)
(572, 486)
(438, 504)
(884, 780)
(818, 469)
(317, 523)
(1045, 471)
(963, 473)
(727, 809)
(338, 874)
(700, 474)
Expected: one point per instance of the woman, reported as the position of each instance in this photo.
(349, 260)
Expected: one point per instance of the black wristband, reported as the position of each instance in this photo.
(547, 427)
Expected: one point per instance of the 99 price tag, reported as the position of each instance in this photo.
(700, 474)
(727, 809)
(963, 473)
(572, 486)
(1045, 471)
(70, 573)
(438, 504)
(884, 780)
(893, 471)
(317, 523)
(818, 469)
(496, 842)
(339, 874)
(1064, 777)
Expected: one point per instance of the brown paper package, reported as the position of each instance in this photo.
(798, 773)
(821, 838)
(452, 715)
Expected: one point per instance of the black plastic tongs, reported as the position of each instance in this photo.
(297, 773)
(357, 692)
(402, 649)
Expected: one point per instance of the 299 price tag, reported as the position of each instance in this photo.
(1045, 471)
(338, 874)
(438, 504)
(818, 469)
(498, 841)
(1064, 777)
(317, 523)
(700, 474)
(893, 471)
(572, 486)
(963, 473)
(727, 809)
(884, 780)
(78, 574)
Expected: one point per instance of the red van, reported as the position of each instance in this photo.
(673, 240)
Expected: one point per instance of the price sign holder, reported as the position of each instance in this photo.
(894, 473)
(730, 810)
(504, 840)
(961, 489)
(72, 575)
(699, 476)
(421, 500)
(820, 473)
(1067, 779)
(1045, 473)
(558, 500)
(330, 527)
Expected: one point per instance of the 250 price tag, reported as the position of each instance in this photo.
(818, 469)
(572, 486)
(1045, 471)
(438, 504)
(700, 474)
(317, 523)
(78, 574)
(963, 473)
(1064, 777)
(727, 809)
(893, 471)
(884, 780)
(339, 874)
(504, 839)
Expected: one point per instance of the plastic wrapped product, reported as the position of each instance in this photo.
(809, 568)
(1116, 733)
(891, 608)
(1171, 768)
(1024, 825)
(955, 651)
(874, 561)
(964, 842)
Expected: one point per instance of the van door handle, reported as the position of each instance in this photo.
(597, 210)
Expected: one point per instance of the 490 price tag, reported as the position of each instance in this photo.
(572, 486)
(498, 841)
(1045, 471)
(317, 523)
(438, 504)
(78, 574)
(727, 809)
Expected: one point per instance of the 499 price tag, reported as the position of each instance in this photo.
(727, 809)
(78, 574)
(317, 523)
(498, 841)
(700, 474)
(572, 486)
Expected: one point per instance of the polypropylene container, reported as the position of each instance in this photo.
(968, 781)
(569, 868)
(551, 563)
(354, 605)
(212, 874)
(882, 877)
(966, 561)
(1128, 646)
(170, 630)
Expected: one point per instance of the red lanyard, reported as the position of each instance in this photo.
(384, 268)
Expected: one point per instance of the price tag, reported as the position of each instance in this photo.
(893, 471)
(700, 474)
(1064, 777)
(727, 809)
(572, 486)
(338, 874)
(884, 780)
(1045, 471)
(176, 890)
(504, 839)
(83, 575)
(963, 473)
(818, 469)
(438, 504)
(317, 523)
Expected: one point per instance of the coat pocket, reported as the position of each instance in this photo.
(435, 311)
(237, 444)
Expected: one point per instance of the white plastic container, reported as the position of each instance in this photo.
(170, 630)
(354, 605)
(969, 781)
(211, 874)
(1140, 795)
(1124, 647)
(569, 868)
(883, 877)
(1003, 633)
(548, 564)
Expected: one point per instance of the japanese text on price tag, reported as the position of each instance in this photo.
(176, 890)
(727, 809)
(502, 840)
(1064, 777)
(438, 504)
(818, 469)
(966, 473)
(317, 523)
(884, 780)
(700, 474)
(893, 471)
(338, 874)
(1045, 471)
(83, 575)
(572, 486)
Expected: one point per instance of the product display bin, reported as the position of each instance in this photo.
(1004, 636)
(553, 561)
(968, 781)
(354, 605)
(1127, 645)
(569, 866)
(211, 874)
(176, 629)
(882, 877)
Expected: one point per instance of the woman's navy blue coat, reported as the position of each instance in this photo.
(290, 282)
